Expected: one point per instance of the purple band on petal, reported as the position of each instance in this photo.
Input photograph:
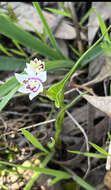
(34, 78)
(36, 88)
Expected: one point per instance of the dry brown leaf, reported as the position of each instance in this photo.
(63, 46)
(26, 12)
(102, 65)
(107, 179)
(105, 11)
(103, 103)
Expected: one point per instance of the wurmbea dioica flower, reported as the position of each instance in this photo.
(31, 82)
(35, 66)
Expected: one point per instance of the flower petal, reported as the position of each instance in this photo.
(23, 89)
(42, 76)
(29, 70)
(21, 77)
(33, 94)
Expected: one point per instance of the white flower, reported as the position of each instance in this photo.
(35, 67)
(31, 84)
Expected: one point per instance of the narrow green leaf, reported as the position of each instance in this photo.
(35, 30)
(37, 174)
(4, 50)
(88, 154)
(55, 180)
(91, 55)
(19, 48)
(82, 183)
(4, 187)
(7, 86)
(11, 30)
(75, 51)
(8, 97)
(58, 12)
(65, 8)
(109, 135)
(17, 52)
(47, 171)
(86, 15)
(102, 26)
(34, 141)
(98, 148)
(50, 34)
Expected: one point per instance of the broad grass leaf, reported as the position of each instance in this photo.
(96, 51)
(12, 63)
(11, 30)
(57, 64)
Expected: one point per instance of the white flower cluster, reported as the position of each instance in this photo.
(31, 82)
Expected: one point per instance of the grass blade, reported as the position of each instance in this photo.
(34, 141)
(37, 174)
(96, 51)
(82, 183)
(98, 148)
(88, 154)
(7, 86)
(86, 16)
(47, 171)
(7, 98)
(48, 29)
(4, 50)
(11, 30)
(102, 26)
(58, 12)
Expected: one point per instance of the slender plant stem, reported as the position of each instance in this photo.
(59, 121)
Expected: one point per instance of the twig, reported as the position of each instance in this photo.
(69, 91)
(86, 139)
(77, 27)
(29, 127)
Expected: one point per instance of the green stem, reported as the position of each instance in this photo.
(59, 120)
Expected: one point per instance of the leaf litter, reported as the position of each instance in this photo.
(23, 114)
